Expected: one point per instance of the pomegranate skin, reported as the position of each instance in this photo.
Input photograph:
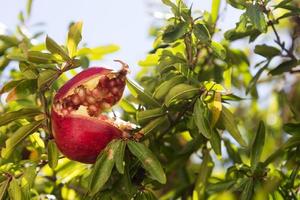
(80, 138)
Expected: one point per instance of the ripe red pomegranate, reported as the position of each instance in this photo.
(79, 128)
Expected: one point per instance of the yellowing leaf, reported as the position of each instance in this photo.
(215, 107)
(74, 37)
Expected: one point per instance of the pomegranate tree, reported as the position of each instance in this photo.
(79, 127)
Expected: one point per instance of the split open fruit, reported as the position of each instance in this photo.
(79, 128)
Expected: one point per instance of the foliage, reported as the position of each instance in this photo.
(195, 139)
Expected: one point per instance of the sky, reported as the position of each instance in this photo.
(125, 23)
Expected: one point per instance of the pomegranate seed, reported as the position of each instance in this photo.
(115, 90)
(90, 99)
(76, 100)
(93, 108)
(112, 83)
(96, 93)
(88, 92)
(81, 94)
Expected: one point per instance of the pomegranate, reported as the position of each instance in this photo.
(79, 128)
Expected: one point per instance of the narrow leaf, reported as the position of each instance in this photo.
(180, 92)
(40, 58)
(8, 117)
(147, 115)
(215, 107)
(205, 171)
(14, 190)
(119, 158)
(174, 32)
(256, 17)
(46, 77)
(3, 188)
(248, 190)
(257, 145)
(162, 90)
(202, 33)
(102, 169)
(148, 160)
(218, 50)
(74, 37)
(266, 51)
(18, 137)
(215, 142)
(228, 121)
(215, 6)
(156, 125)
(138, 92)
(54, 48)
(201, 120)
(284, 67)
(52, 154)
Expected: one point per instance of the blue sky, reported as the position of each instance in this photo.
(125, 23)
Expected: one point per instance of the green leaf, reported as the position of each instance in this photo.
(156, 125)
(74, 37)
(54, 48)
(174, 32)
(28, 7)
(46, 77)
(228, 121)
(215, 6)
(52, 154)
(16, 56)
(10, 40)
(248, 190)
(205, 171)
(10, 85)
(40, 58)
(254, 80)
(18, 137)
(292, 128)
(138, 92)
(232, 152)
(257, 17)
(215, 142)
(220, 186)
(8, 117)
(257, 145)
(3, 188)
(162, 90)
(180, 92)
(282, 3)
(102, 168)
(119, 158)
(14, 190)
(239, 4)
(267, 51)
(200, 115)
(218, 50)
(292, 142)
(202, 33)
(284, 67)
(148, 160)
(146, 115)
(127, 106)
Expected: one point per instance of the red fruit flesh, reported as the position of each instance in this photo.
(79, 129)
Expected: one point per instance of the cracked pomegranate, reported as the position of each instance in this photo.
(79, 128)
